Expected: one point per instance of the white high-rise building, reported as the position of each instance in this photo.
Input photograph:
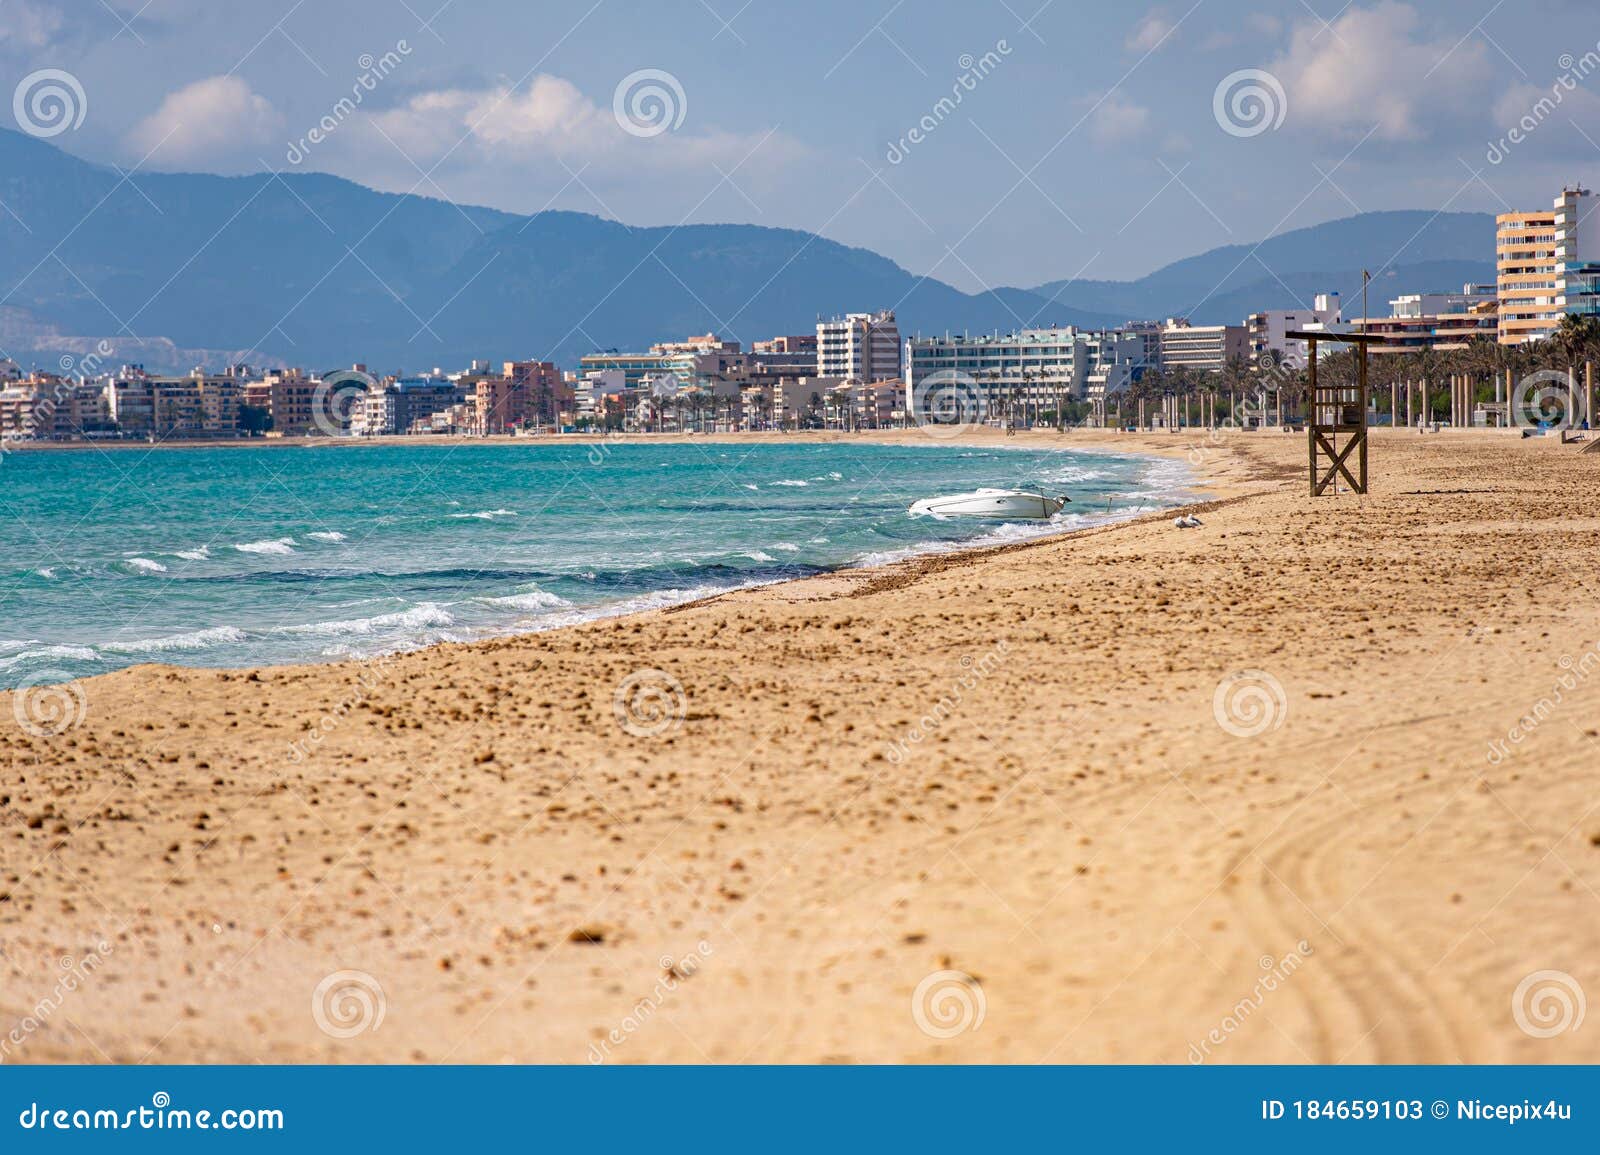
(1268, 331)
(1029, 372)
(859, 347)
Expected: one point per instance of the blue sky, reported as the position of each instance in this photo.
(1089, 140)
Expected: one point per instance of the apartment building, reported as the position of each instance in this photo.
(288, 395)
(1030, 370)
(1268, 330)
(1202, 348)
(542, 389)
(859, 347)
(405, 405)
(1547, 265)
(1525, 276)
(1437, 321)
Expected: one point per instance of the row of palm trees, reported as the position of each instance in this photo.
(1283, 388)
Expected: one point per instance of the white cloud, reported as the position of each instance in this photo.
(1117, 120)
(1540, 117)
(217, 123)
(550, 120)
(28, 24)
(1264, 24)
(1149, 33)
(1376, 66)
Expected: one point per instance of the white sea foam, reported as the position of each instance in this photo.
(280, 545)
(71, 653)
(758, 555)
(532, 599)
(330, 535)
(201, 554)
(197, 640)
(786, 546)
(48, 572)
(487, 514)
(145, 565)
(794, 484)
(425, 615)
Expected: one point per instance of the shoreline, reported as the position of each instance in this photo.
(1197, 484)
(1097, 777)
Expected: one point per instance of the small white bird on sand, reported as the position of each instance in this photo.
(1187, 521)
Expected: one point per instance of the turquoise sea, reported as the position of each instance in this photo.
(285, 554)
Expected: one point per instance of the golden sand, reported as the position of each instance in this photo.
(987, 807)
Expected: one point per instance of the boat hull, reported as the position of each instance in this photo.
(992, 504)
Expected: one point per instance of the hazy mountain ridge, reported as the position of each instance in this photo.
(311, 269)
(1407, 251)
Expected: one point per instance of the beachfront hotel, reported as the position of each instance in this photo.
(1436, 321)
(1547, 265)
(1268, 331)
(1033, 368)
(1202, 348)
(859, 347)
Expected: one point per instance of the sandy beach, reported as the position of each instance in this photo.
(1314, 782)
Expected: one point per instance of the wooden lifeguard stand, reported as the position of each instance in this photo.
(1337, 410)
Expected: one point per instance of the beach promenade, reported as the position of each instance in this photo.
(1316, 781)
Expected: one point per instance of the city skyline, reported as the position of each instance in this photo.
(1167, 129)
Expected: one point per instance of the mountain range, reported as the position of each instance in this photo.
(178, 269)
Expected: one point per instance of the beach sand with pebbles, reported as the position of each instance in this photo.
(1316, 781)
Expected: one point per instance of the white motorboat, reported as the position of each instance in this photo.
(999, 503)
